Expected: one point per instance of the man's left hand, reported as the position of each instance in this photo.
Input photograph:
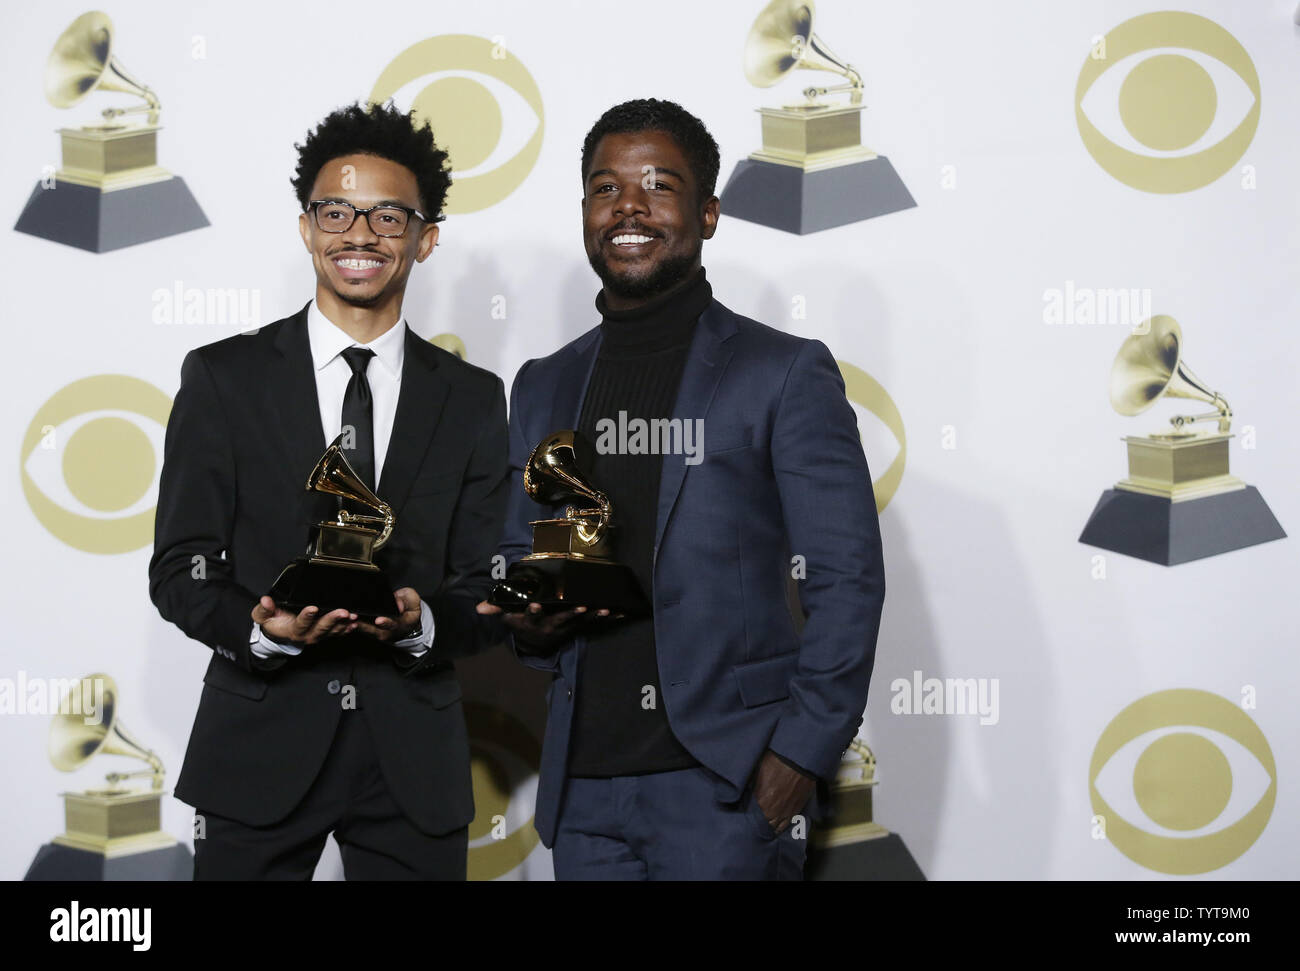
(780, 791)
(389, 629)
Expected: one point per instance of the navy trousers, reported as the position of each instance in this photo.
(669, 826)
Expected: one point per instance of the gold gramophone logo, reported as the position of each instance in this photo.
(110, 192)
(476, 95)
(89, 462)
(1187, 97)
(813, 172)
(1180, 501)
(1194, 776)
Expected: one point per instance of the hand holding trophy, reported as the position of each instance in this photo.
(338, 571)
(570, 567)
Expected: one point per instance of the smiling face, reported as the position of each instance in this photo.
(643, 223)
(359, 268)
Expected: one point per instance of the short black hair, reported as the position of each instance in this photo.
(379, 130)
(651, 114)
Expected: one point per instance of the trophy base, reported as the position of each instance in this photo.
(56, 861)
(882, 857)
(1160, 530)
(794, 200)
(562, 583)
(99, 220)
(364, 590)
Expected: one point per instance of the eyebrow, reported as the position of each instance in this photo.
(658, 170)
(382, 202)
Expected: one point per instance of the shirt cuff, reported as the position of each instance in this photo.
(263, 647)
(421, 642)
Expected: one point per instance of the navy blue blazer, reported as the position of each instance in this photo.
(782, 475)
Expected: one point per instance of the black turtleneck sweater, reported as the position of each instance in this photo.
(616, 730)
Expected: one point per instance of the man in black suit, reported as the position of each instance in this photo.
(318, 722)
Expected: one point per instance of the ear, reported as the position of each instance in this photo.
(428, 240)
(304, 229)
(709, 217)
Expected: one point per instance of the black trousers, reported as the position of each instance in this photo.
(348, 798)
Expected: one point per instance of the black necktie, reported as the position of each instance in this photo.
(359, 416)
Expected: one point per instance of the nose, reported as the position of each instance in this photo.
(632, 199)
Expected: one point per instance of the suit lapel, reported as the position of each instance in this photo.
(705, 362)
(572, 389)
(298, 416)
(419, 405)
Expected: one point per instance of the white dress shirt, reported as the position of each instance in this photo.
(384, 374)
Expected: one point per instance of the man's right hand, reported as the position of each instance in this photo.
(303, 629)
(539, 629)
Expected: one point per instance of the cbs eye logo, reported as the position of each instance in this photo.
(89, 462)
(503, 756)
(1187, 98)
(472, 92)
(866, 393)
(1179, 762)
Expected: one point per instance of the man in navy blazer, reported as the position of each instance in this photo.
(688, 744)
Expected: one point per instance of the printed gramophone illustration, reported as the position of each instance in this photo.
(1179, 502)
(570, 565)
(110, 191)
(339, 568)
(112, 833)
(813, 172)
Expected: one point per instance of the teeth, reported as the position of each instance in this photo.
(359, 264)
(630, 239)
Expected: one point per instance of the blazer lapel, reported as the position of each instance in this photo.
(572, 390)
(298, 414)
(419, 405)
(705, 362)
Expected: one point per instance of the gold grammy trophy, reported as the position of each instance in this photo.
(339, 570)
(850, 817)
(1179, 501)
(570, 565)
(110, 191)
(813, 172)
(847, 844)
(113, 833)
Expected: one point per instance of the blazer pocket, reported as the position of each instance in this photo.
(765, 681)
(727, 439)
(224, 676)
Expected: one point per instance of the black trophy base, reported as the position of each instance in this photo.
(1161, 531)
(57, 862)
(560, 583)
(788, 198)
(99, 221)
(883, 858)
(308, 583)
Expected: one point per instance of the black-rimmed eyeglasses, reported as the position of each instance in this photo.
(333, 216)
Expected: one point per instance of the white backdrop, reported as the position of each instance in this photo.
(1010, 437)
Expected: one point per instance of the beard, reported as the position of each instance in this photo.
(666, 274)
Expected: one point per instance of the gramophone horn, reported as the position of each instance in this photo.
(335, 476)
(73, 742)
(1149, 366)
(82, 61)
(552, 475)
(782, 40)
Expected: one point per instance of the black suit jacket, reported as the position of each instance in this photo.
(243, 434)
